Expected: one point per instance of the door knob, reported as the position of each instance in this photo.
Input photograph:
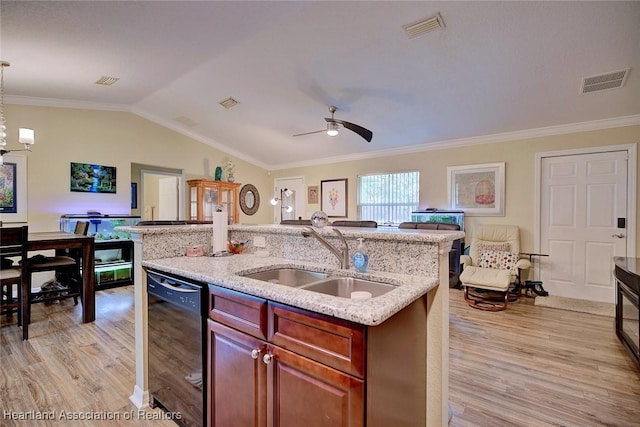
(619, 235)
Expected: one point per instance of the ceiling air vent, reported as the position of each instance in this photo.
(422, 27)
(604, 81)
(228, 103)
(106, 80)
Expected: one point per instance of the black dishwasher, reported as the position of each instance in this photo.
(177, 377)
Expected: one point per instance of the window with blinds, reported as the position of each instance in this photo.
(388, 198)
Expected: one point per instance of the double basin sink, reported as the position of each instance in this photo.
(345, 287)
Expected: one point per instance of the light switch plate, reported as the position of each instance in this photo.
(259, 242)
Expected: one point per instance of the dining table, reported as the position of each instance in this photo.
(81, 245)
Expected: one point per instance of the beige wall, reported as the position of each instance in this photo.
(112, 139)
(119, 139)
(519, 157)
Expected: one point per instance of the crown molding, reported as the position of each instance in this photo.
(64, 103)
(82, 105)
(193, 135)
(592, 125)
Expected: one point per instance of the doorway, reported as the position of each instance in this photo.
(291, 191)
(585, 216)
(162, 194)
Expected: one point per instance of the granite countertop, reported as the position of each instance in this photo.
(381, 233)
(223, 271)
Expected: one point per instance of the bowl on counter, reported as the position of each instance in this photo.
(236, 247)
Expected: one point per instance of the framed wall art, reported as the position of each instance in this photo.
(333, 197)
(134, 195)
(312, 194)
(89, 178)
(249, 199)
(13, 189)
(478, 190)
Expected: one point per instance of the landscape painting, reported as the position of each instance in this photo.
(90, 178)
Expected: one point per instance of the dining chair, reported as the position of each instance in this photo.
(67, 282)
(13, 253)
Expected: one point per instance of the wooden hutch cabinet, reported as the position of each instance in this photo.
(205, 194)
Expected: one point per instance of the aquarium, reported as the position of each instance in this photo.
(441, 216)
(113, 249)
(101, 227)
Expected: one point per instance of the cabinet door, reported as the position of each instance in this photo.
(237, 378)
(193, 203)
(308, 394)
(210, 201)
(205, 195)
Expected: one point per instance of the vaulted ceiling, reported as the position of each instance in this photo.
(496, 68)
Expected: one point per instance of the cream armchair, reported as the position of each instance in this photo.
(492, 266)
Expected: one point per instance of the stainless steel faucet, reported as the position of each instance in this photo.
(342, 254)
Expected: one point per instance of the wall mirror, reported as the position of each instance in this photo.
(249, 199)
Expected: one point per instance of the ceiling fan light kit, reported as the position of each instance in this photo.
(333, 124)
(332, 129)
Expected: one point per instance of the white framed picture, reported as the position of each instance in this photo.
(333, 197)
(13, 189)
(478, 190)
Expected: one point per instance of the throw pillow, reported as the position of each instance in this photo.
(500, 247)
(501, 260)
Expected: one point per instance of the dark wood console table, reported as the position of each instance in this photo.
(627, 272)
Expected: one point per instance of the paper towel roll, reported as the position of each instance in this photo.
(220, 238)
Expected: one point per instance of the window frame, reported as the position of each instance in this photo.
(391, 219)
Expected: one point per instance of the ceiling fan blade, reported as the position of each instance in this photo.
(365, 133)
(310, 133)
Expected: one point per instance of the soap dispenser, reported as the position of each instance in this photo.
(361, 258)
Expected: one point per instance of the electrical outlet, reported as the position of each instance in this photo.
(259, 241)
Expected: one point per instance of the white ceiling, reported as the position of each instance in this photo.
(497, 67)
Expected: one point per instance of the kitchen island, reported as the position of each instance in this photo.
(414, 261)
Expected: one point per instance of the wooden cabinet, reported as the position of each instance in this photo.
(300, 373)
(205, 195)
(237, 394)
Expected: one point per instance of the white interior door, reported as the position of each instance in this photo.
(582, 199)
(168, 198)
(162, 195)
(295, 199)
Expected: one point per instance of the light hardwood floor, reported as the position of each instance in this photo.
(526, 366)
(81, 369)
(538, 366)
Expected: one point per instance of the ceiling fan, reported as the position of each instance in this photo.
(334, 124)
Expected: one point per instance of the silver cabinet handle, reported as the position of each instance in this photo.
(619, 235)
(255, 353)
(267, 358)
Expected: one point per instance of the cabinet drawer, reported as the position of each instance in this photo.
(333, 342)
(240, 311)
